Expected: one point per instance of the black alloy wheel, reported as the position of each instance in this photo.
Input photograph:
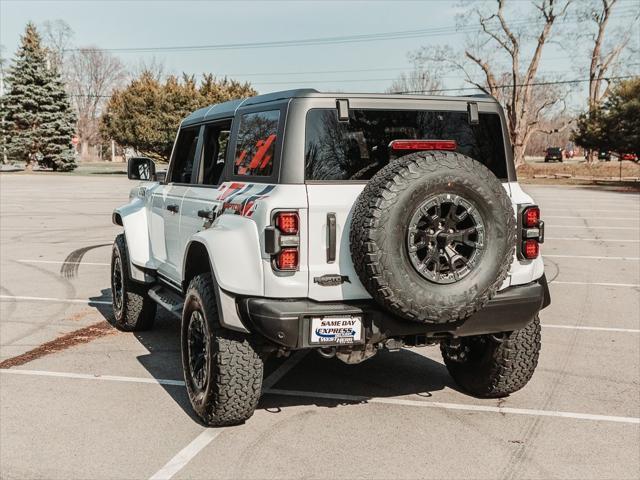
(198, 345)
(445, 238)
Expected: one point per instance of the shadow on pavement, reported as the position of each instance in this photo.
(388, 374)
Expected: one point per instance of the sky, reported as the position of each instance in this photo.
(358, 66)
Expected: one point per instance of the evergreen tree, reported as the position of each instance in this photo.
(146, 113)
(614, 125)
(39, 120)
(3, 114)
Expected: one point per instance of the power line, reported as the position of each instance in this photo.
(342, 39)
(531, 84)
(555, 82)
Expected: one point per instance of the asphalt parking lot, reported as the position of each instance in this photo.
(81, 400)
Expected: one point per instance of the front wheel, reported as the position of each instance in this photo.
(493, 366)
(222, 370)
(133, 310)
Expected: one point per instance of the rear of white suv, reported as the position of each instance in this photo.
(345, 224)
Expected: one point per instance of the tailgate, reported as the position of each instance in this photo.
(327, 202)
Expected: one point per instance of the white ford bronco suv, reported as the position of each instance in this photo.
(343, 223)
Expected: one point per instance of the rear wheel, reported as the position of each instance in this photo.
(222, 370)
(133, 310)
(493, 366)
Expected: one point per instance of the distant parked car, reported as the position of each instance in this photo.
(569, 153)
(629, 156)
(553, 154)
(604, 155)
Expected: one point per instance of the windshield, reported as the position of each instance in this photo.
(357, 149)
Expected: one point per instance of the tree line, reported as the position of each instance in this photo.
(63, 102)
(503, 60)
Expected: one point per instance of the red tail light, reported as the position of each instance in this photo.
(287, 259)
(287, 222)
(282, 241)
(531, 248)
(418, 145)
(532, 233)
(531, 217)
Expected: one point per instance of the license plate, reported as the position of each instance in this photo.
(336, 330)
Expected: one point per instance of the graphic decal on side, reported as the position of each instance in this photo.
(241, 198)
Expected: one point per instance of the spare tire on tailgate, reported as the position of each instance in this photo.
(433, 236)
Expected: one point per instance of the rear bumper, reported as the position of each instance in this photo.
(287, 322)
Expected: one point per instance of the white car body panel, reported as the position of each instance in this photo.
(340, 200)
(522, 271)
(233, 245)
(135, 220)
(158, 239)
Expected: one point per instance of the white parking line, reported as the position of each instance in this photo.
(49, 299)
(596, 329)
(84, 376)
(598, 284)
(458, 406)
(59, 262)
(350, 398)
(285, 368)
(573, 239)
(187, 454)
(591, 257)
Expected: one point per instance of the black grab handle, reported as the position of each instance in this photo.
(331, 237)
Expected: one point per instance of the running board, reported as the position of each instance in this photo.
(170, 301)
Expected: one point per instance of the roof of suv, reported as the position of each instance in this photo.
(227, 109)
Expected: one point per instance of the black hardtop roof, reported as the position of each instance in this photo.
(228, 109)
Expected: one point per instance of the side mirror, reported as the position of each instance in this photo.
(141, 168)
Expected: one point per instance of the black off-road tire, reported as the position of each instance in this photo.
(380, 223)
(133, 310)
(489, 366)
(234, 369)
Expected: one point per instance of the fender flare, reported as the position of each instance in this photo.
(234, 249)
(133, 217)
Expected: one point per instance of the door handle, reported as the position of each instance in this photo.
(331, 237)
(173, 208)
(209, 215)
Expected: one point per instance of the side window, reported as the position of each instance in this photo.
(184, 155)
(256, 145)
(216, 139)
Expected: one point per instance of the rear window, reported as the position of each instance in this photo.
(357, 149)
(256, 144)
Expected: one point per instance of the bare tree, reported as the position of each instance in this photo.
(501, 40)
(93, 75)
(57, 35)
(603, 55)
(152, 66)
(421, 79)
(607, 48)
